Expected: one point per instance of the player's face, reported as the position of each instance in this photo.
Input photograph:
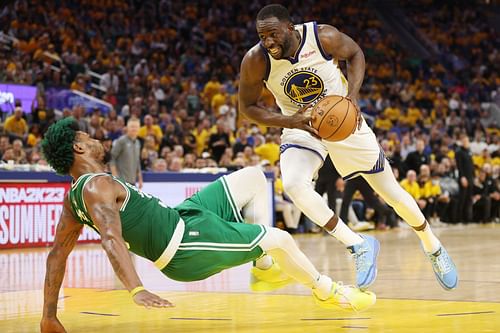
(275, 36)
(94, 146)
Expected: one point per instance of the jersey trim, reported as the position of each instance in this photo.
(125, 201)
(296, 56)
(378, 167)
(232, 247)
(286, 146)
(172, 246)
(83, 188)
(318, 43)
(236, 211)
(268, 62)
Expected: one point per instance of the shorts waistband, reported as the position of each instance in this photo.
(172, 246)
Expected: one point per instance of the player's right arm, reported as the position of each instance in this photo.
(102, 195)
(67, 233)
(252, 73)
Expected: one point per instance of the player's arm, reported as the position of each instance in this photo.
(252, 73)
(101, 196)
(342, 47)
(67, 233)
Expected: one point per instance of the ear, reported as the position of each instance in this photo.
(78, 147)
(291, 26)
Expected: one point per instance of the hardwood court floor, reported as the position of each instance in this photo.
(409, 298)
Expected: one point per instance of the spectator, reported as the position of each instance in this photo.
(270, 150)
(485, 193)
(16, 153)
(148, 153)
(465, 168)
(410, 184)
(430, 191)
(416, 158)
(125, 155)
(150, 128)
(15, 125)
(159, 165)
(219, 141)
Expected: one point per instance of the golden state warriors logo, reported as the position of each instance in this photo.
(303, 87)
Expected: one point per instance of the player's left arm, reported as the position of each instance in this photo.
(342, 47)
(101, 196)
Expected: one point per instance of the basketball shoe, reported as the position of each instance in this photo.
(444, 268)
(269, 279)
(346, 297)
(365, 257)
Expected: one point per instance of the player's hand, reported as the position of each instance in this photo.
(300, 121)
(359, 118)
(149, 300)
(51, 325)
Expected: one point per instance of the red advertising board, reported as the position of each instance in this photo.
(29, 213)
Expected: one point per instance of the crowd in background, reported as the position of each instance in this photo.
(174, 66)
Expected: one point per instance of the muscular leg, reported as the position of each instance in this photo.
(386, 185)
(281, 246)
(298, 167)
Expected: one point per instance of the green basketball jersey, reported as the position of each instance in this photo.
(147, 223)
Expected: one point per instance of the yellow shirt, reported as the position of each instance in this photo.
(154, 130)
(217, 101)
(430, 189)
(32, 140)
(412, 188)
(268, 151)
(210, 89)
(278, 186)
(201, 140)
(18, 127)
(384, 124)
(392, 113)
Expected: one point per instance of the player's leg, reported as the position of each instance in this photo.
(282, 247)
(247, 190)
(298, 167)
(386, 185)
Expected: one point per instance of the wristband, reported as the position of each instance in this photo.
(137, 290)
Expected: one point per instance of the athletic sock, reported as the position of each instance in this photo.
(429, 241)
(323, 287)
(345, 235)
(264, 262)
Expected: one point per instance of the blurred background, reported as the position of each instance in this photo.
(431, 91)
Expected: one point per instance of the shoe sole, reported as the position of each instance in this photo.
(372, 280)
(445, 287)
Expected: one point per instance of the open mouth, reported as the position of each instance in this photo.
(275, 51)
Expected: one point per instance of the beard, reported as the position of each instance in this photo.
(285, 48)
(106, 158)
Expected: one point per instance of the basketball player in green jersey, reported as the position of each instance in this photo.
(198, 238)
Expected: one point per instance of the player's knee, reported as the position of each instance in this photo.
(256, 175)
(283, 238)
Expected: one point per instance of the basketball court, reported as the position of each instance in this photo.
(409, 297)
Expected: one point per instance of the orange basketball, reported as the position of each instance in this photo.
(334, 117)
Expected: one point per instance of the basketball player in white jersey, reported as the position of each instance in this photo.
(299, 65)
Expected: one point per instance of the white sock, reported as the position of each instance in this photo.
(429, 241)
(345, 235)
(323, 287)
(264, 262)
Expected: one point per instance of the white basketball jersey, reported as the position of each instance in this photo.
(307, 76)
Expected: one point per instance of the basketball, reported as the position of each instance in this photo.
(334, 117)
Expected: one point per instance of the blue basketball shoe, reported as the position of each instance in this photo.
(444, 268)
(365, 257)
